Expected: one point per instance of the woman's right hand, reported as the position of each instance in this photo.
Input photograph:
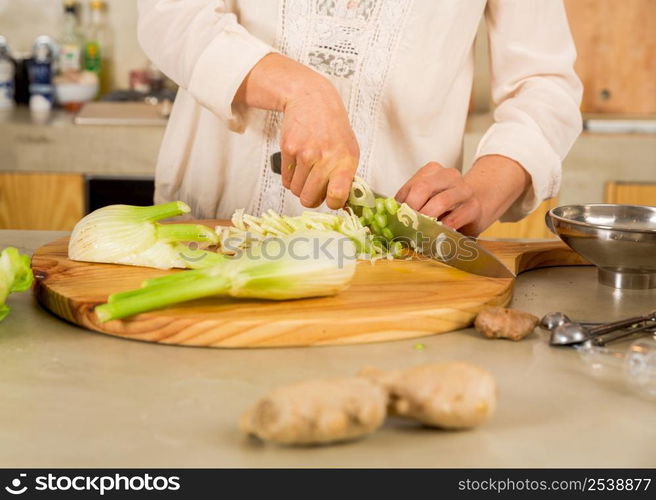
(320, 153)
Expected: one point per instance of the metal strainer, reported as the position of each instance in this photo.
(619, 239)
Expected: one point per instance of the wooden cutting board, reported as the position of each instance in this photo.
(387, 300)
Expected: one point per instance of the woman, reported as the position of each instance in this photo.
(375, 88)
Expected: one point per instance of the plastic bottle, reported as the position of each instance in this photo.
(99, 46)
(72, 42)
(7, 76)
(41, 68)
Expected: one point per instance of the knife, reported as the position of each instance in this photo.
(431, 238)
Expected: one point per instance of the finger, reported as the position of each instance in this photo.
(402, 193)
(315, 188)
(445, 201)
(287, 169)
(339, 185)
(422, 189)
(463, 215)
(304, 163)
(423, 174)
(419, 195)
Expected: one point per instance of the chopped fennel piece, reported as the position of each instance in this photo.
(15, 276)
(361, 194)
(408, 216)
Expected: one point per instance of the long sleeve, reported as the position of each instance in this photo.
(536, 93)
(202, 47)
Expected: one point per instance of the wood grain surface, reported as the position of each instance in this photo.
(387, 300)
(532, 226)
(616, 46)
(40, 201)
(630, 193)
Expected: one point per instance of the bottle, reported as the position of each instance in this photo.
(7, 75)
(72, 42)
(41, 68)
(99, 46)
(22, 78)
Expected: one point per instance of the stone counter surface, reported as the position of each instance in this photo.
(73, 398)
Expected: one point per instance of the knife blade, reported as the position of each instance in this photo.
(432, 239)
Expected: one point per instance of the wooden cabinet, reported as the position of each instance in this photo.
(616, 46)
(630, 193)
(40, 200)
(532, 226)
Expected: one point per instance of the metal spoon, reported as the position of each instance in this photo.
(601, 340)
(576, 333)
(569, 334)
(552, 320)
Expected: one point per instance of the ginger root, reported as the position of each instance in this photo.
(317, 412)
(453, 395)
(502, 323)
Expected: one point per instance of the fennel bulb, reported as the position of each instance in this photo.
(305, 264)
(124, 234)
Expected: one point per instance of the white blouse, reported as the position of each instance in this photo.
(403, 68)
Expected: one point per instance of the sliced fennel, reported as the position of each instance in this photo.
(364, 221)
(361, 194)
(408, 216)
(305, 264)
(248, 230)
(375, 213)
(124, 234)
(15, 276)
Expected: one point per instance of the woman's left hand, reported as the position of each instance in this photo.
(442, 193)
(469, 203)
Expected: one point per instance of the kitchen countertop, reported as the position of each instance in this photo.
(73, 398)
(61, 146)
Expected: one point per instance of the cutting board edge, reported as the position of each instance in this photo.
(216, 338)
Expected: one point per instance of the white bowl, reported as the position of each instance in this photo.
(75, 92)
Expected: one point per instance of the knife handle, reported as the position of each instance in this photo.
(276, 161)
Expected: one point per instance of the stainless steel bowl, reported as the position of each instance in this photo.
(619, 239)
